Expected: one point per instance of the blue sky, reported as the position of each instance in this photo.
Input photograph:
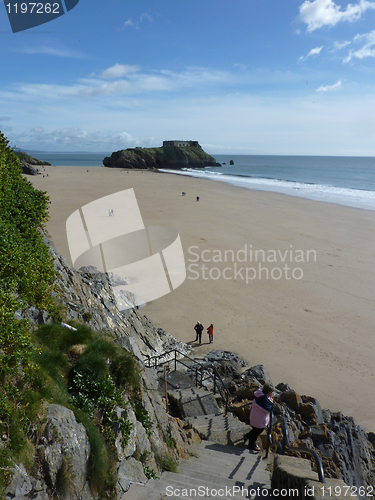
(239, 76)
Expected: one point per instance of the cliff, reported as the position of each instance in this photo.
(165, 157)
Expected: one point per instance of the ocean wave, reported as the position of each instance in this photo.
(359, 198)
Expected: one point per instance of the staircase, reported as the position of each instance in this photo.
(221, 468)
(217, 471)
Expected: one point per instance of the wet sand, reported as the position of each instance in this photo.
(310, 323)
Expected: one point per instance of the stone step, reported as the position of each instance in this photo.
(177, 486)
(175, 380)
(224, 429)
(193, 402)
(216, 467)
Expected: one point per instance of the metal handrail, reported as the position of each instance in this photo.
(269, 439)
(300, 449)
(215, 376)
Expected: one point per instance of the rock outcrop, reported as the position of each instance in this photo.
(164, 157)
(30, 165)
(346, 450)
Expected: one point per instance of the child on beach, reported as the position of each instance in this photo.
(210, 331)
(261, 409)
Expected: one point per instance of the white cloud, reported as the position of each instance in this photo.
(75, 137)
(330, 88)
(52, 51)
(134, 83)
(119, 70)
(143, 17)
(368, 50)
(146, 17)
(340, 45)
(313, 52)
(319, 13)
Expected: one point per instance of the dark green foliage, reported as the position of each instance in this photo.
(143, 416)
(124, 370)
(26, 278)
(149, 473)
(39, 368)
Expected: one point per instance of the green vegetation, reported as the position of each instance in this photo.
(164, 157)
(23, 156)
(90, 385)
(26, 277)
(45, 366)
(143, 416)
(166, 462)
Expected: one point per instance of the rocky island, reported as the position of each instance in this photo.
(172, 155)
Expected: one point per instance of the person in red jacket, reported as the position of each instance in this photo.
(210, 331)
(260, 414)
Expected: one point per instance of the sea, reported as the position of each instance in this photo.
(343, 180)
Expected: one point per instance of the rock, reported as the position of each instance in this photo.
(260, 373)
(29, 169)
(129, 471)
(30, 165)
(227, 364)
(311, 411)
(125, 450)
(67, 451)
(23, 486)
(291, 398)
(164, 157)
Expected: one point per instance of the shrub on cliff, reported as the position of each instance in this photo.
(26, 278)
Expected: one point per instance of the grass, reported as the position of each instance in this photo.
(90, 384)
(166, 462)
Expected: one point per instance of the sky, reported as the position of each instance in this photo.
(274, 77)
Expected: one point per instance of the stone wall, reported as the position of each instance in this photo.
(292, 477)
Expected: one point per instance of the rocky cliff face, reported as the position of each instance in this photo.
(165, 157)
(62, 444)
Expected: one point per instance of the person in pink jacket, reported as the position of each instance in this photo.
(261, 409)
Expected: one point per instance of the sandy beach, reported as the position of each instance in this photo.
(310, 323)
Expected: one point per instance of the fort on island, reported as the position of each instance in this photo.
(181, 144)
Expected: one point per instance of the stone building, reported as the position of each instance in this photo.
(181, 144)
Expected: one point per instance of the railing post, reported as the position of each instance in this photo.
(175, 360)
(196, 376)
(269, 435)
(214, 382)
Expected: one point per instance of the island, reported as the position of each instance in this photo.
(174, 155)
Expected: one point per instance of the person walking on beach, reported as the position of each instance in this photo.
(210, 331)
(198, 329)
(260, 414)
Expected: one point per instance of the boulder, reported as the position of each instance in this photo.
(66, 452)
(259, 373)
